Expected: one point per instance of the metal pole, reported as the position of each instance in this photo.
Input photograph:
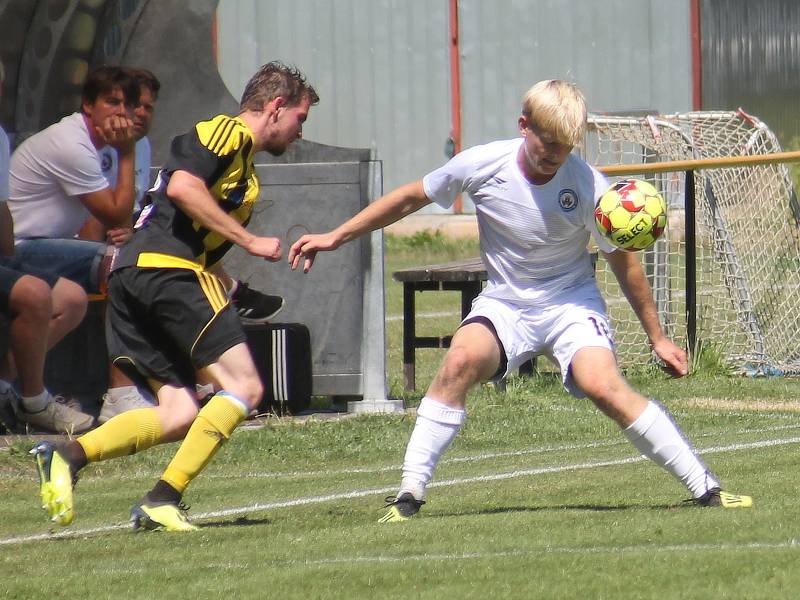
(691, 263)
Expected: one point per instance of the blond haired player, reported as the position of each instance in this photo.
(534, 202)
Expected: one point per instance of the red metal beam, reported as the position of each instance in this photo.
(455, 89)
(697, 55)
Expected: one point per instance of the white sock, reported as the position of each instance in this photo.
(435, 428)
(37, 403)
(657, 436)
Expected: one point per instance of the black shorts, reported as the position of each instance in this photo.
(10, 271)
(165, 324)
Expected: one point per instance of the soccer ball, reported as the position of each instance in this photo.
(631, 214)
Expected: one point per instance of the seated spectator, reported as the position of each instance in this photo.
(57, 182)
(39, 311)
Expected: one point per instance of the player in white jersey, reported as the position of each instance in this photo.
(534, 203)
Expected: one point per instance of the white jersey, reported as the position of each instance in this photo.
(533, 237)
(141, 170)
(49, 172)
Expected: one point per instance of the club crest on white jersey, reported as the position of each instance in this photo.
(567, 199)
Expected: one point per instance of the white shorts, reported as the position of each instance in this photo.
(556, 331)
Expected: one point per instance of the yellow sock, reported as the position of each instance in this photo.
(212, 427)
(128, 433)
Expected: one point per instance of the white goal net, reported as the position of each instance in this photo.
(747, 307)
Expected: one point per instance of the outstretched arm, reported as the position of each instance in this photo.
(628, 271)
(192, 197)
(384, 211)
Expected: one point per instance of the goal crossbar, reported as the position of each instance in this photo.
(700, 163)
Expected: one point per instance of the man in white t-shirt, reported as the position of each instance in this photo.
(56, 181)
(534, 202)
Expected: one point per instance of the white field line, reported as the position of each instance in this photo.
(454, 460)
(470, 458)
(307, 500)
(445, 461)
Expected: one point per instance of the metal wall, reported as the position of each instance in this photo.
(382, 69)
(751, 59)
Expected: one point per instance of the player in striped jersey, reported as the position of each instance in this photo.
(170, 315)
(534, 202)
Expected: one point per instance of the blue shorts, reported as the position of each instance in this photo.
(78, 260)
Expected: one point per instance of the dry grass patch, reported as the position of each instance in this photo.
(748, 404)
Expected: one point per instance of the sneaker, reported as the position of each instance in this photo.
(57, 417)
(113, 407)
(9, 407)
(717, 497)
(401, 508)
(254, 306)
(73, 403)
(56, 481)
(161, 515)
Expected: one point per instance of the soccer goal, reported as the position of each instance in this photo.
(726, 274)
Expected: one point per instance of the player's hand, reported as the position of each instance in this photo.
(265, 247)
(674, 357)
(307, 247)
(119, 235)
(117, 131)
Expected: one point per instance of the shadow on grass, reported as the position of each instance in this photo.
(238, 522)
(559, 507)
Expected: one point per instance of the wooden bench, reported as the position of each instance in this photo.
(464, 276)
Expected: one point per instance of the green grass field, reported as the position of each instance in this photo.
(539, 497)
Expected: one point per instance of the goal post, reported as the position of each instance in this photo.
(726, 274)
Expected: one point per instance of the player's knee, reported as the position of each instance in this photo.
(612, 395)
(602, 390)
(176, 419)
(460, 365)
(253, 393)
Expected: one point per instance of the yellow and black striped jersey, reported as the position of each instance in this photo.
(220, 152)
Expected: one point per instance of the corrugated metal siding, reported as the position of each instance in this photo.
(380, 67)
(751, 59)
(382, 70)
(624, 55)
